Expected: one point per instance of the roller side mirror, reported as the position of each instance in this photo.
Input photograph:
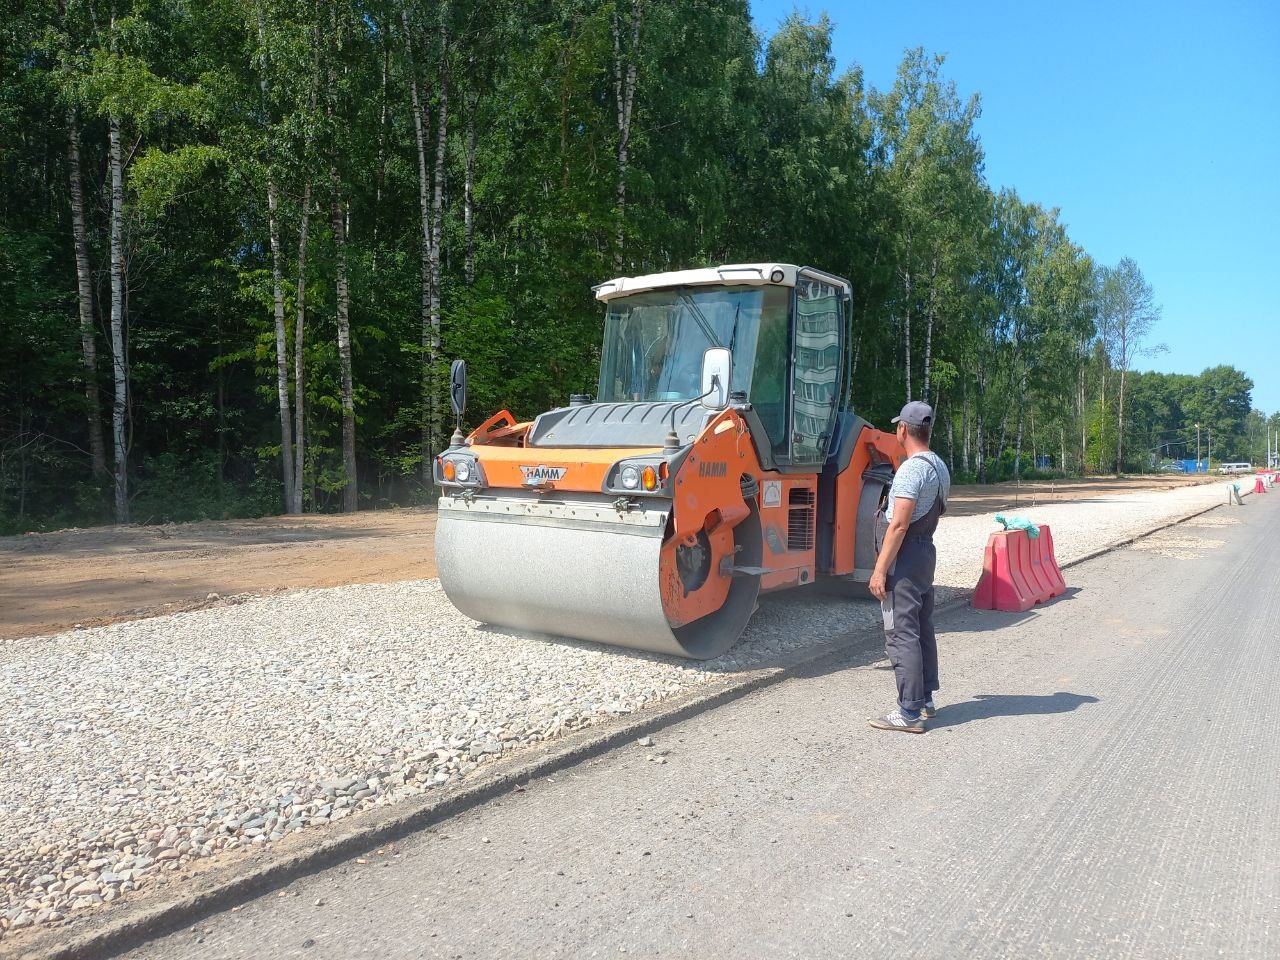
(717, 367)
(458, 387)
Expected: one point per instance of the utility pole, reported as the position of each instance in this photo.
(1197, 448)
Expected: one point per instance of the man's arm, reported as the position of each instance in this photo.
(902, 510)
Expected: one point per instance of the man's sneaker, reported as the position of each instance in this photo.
(896, 721)
(929, 711)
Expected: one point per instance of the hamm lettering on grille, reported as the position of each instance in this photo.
(541, 474)
(713, 468)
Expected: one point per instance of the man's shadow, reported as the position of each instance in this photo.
(987, 705)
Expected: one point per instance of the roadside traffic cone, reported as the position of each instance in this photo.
(1259, 486)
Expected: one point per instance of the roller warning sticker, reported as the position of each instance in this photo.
(772, 493)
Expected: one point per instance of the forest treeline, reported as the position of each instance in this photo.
(242, 239)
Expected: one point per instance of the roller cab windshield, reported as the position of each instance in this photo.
(654, 341)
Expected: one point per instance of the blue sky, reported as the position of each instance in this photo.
(1154, 126)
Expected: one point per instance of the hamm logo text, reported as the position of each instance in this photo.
(542, 474)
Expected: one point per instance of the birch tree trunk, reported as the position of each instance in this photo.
(1022, 402)
(1120, 422)
(1080, 412)
(624, 93)
(299, 333)
(342, 295)
(1018, 448)
(979, 446)
(350, 489)
(468, 191)
(282, 346)
(437, 222)
(1004, 438)
(928, 329)
(84, 291)
(1102, 419)
(1035, 449)
(906, 334)
(119, 369)
(424, 253)
(277, 295)
(380, 178)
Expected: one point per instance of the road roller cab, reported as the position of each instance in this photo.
(718, 460)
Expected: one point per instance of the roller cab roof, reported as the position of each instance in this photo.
(748, 274)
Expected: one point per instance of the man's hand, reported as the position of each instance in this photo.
(879, 585)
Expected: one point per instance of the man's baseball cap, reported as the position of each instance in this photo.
(916, 413)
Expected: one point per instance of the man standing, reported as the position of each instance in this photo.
(903, 576)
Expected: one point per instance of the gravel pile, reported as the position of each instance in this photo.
(140, 749)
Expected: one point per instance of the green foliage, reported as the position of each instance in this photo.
(160, 177)
(177, 489)
(743, 147)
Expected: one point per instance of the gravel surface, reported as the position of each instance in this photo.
(138, 749)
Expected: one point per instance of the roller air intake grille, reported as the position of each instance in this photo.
(800, 518)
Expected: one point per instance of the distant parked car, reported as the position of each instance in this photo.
(1171, 468)
(1236, 468)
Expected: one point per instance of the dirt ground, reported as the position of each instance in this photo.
(53, 581)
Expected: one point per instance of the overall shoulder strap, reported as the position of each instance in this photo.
(942, 493)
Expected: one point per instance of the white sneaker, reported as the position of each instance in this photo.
(897, 722)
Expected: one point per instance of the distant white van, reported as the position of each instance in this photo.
(1235, 468)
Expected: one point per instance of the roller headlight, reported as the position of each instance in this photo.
(460, 469)
(637, 477)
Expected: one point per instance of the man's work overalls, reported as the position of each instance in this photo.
(907, 608)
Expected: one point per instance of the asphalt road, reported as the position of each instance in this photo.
(1103, 780)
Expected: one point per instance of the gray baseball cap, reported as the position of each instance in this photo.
(916, 413)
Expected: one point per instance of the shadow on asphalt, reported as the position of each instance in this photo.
(986, 706)
(968, 620)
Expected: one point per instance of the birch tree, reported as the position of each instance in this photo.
(291, 503)
(434, 411)
(427, 370)
(1130, 311)
(119, 364)
(299, 338)
(625, 30)
(342, 291)
(84, 299)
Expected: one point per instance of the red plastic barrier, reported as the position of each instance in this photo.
(1003, 585)
(1259, 486)
(1018, 572)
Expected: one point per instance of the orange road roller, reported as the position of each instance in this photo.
(719, 459)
